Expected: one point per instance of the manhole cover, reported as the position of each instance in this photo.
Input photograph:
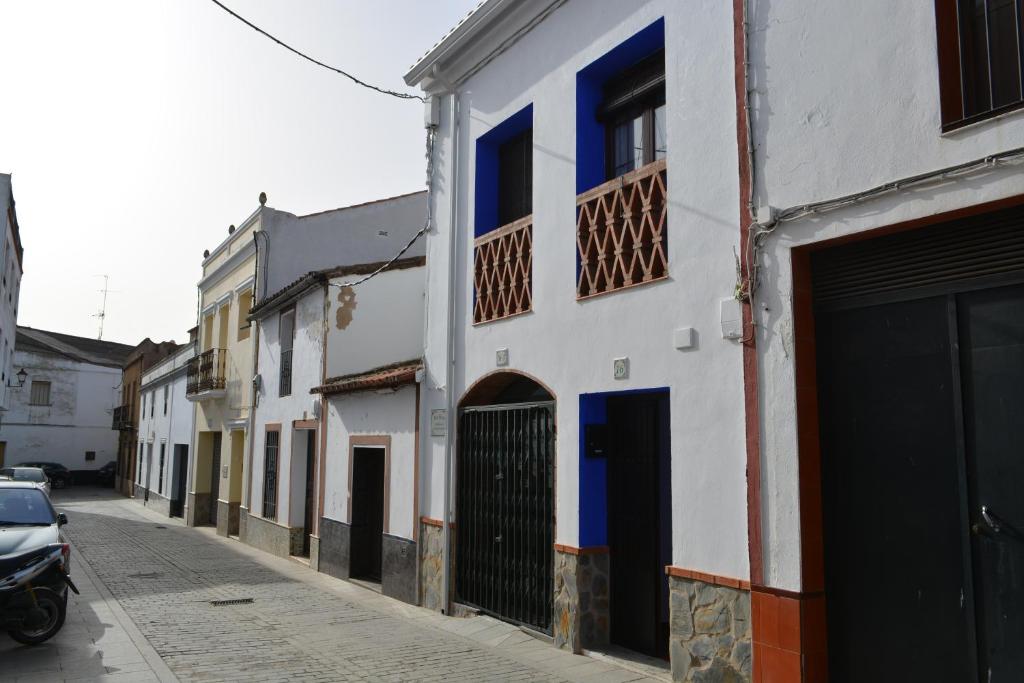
(233, 601)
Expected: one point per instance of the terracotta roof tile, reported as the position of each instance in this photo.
(386, 377)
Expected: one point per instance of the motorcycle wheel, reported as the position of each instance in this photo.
(55, 608)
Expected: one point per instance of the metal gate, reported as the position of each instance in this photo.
(505, 513)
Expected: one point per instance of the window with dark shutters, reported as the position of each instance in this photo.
(981, 59)
(287, 330)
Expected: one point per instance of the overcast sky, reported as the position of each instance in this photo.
(138, 130)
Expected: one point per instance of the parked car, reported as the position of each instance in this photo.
(59, 475)
(105, 475)
(34, 564)
(33, 475)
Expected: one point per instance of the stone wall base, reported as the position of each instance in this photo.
(709, 632)
(314, 553)
(156, 502)
(431, 564)
(268, 536)
(580, 619)
(199, 509)
(227, 518)
(398, 569)
(334, 548)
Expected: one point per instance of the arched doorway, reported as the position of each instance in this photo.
(505, 499)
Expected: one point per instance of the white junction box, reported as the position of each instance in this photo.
(684, 338)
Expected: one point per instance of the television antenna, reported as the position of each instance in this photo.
(102, 314)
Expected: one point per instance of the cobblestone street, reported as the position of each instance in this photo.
(299, 625)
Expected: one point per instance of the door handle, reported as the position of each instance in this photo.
(993, 522)
(997, 526)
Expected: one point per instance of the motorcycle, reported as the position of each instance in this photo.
(34, 592)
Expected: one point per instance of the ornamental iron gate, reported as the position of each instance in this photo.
(505, 512)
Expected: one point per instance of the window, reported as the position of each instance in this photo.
(138, 467)
(633, 110)
(515, 178)
(152, 400)
(244, 306)
(40, 394)
(90, 456)
(160, 485)
(166, 390)
(143, 413)
(981, 58)
(270, 454)
(286, 327)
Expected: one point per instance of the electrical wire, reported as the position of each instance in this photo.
(759, 233)
(357, 81)
(431, 133)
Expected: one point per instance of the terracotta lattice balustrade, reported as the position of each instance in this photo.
(502, 271)
(620, 232)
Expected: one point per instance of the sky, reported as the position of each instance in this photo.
(137, 131)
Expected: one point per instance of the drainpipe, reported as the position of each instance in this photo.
(449, 372)
(253, 391)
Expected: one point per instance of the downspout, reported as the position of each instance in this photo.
(450, 352)
(190, 478)
(253, 396)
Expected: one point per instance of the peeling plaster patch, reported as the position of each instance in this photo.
(346, 304)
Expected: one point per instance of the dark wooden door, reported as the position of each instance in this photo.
(310, 511)
(367, 512)
(180, 480)
(214, 478)
(638, 435)
(921, 405)
(991, 334)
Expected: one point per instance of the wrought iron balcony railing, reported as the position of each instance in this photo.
(122, 418)
(503, 271)
(207, 371)
(621, 232)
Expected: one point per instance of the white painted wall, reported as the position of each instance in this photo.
(271, 407)
(386, 323)
(847, 97)
(171, 428)
(300, 244)
(10, 289)
(391, 413)
(79, 419)
(570, 345)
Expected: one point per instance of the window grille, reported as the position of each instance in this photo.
(270, 456)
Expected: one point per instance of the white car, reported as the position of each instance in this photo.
(34, 475)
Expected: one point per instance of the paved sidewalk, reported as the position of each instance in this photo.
(98, 642)
(300, 625)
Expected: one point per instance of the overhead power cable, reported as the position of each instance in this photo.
(357, 81)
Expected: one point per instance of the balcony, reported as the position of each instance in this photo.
(122, 418)
(502, 272)
(205, 375)
(621, 232)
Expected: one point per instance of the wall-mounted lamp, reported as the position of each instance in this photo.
(22, 375)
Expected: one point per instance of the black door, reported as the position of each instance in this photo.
(921, 470)
(148, 473)
(367, 512)
(638, 521)
(504, 503)
(310, 491)
(992, 368)
(179, 493)
(214, 478)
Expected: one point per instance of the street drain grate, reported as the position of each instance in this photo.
(234, 601)
(145, 575)
(160, 527)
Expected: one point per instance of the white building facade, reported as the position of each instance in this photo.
(166, 425)
(11, 255)
(797, 361)
(63, 412)
(594, 434)
(306, 321)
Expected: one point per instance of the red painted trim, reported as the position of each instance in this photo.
(586, 550)
(712, 579)
(750, 390)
